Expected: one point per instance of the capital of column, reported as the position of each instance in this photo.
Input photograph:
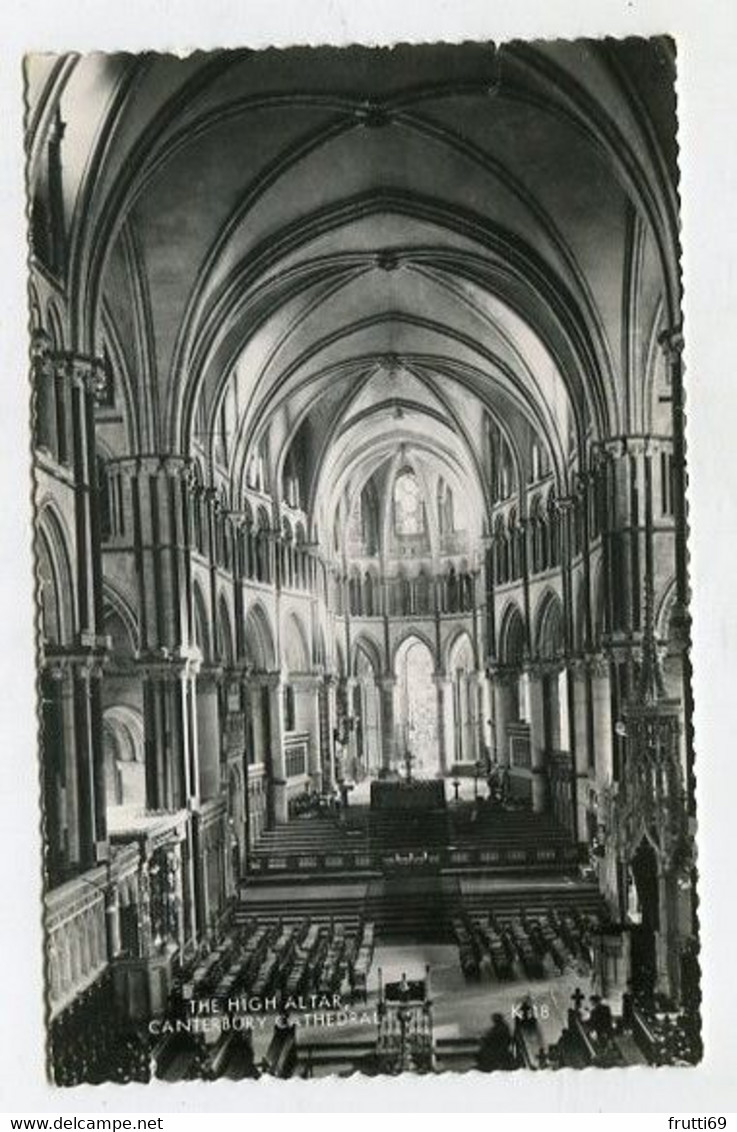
(210, 675)
(601, 455)
(77, 660)
(171, 664)
(577, 666)
(538, 668)
(564, 504)
(153, 464)
(306, 681)
(614, 447)
(680, 626)
(671, 343)
(387, 683)
(581, 483)
(85, 369)
(267, 679)
(596, 664)
(41, 353)
(503, 675)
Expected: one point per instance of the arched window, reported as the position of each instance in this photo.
(290, 482)
(506, 479)
(409, 510)
(369, 519)
(446, 516)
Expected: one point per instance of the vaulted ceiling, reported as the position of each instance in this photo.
(381, 244)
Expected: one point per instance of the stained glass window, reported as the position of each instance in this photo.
(409, 513)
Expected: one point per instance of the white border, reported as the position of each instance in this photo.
(705, 34)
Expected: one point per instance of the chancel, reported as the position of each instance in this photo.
(361, 563)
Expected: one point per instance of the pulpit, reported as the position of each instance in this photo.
(142, 985)
(405, 1040)
(611, 963)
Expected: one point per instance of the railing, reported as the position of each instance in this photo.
(644, 1036)
(76, 938)
(552, 856)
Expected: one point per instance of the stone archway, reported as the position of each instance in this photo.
(416, 711)
(367, 710)
(125, 775)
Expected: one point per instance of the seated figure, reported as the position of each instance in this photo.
(495, 1050)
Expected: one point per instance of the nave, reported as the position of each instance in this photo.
(359, 515)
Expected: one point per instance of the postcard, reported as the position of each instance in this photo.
(361, 561)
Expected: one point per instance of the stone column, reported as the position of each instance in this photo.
(505, 693)
(672, 344)
(258, 755)
(602, 704)
(59, 768)
(44, 403)
(444, 692)
(485, 719)
(90, 770)
(475, 690)
(307, 706)
(275, 758)
(169, 743)
(329, 717)
(577, 674)
(537, 742)
(387, 686)
(351, 749)
(209, 739)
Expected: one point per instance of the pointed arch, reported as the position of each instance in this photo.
(664, 611)
(54, 577)
(116, 603)
(460, 649)
(417, 634)
(295, 645)
(366, 645)
(259, 639)
(549, 637)
(123, 749)
(512, 636)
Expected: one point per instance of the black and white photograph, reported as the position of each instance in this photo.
(361, 561)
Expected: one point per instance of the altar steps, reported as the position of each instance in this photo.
(533, 900)
(332, 906)
(456, 840)
(420, 909)
(496, 829)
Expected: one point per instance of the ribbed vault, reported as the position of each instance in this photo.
(395, 248)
